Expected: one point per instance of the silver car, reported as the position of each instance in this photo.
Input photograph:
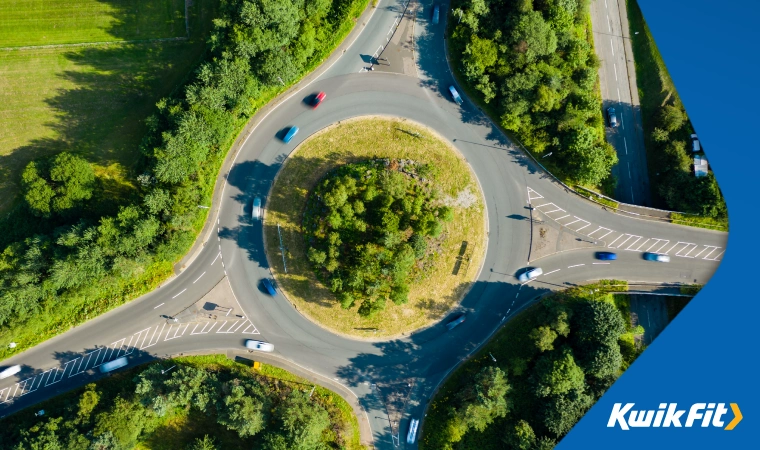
(530, 274)
(612, 117)
(10, 371)
(259, 345)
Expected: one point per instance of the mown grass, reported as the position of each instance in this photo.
(45, 22)
(89, 100)
(101, 298)
(356, 140)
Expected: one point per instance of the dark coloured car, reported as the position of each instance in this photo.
(318, 99)
(612, 117)
(606, 256)
(269, 287)
(656, 257)
(289, 135)
(454, 323)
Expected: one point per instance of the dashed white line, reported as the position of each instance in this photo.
(547, 273)
(629, 170)
(626, 145)
(618, 91)
(614, 68)
(633, 200)
(612, 47)
(183, 290)
(204, 273)
(600, 263)
(158, 306)
(609, 28)
(577, 265)
(217, 257)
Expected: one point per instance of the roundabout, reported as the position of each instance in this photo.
(441, 275)
(516, 193)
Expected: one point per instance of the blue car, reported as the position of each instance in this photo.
(606, 256)
(289, 135)
(269, 287)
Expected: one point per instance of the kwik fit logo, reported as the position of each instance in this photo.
(668, 415)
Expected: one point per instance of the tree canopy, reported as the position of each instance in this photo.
(533, 62)
(367, 226)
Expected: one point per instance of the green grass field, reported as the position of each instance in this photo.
(92, 100)
(45, 22)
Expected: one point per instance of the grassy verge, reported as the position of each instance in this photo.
(591, 195)
(75, 309)
(700, 222)
(356, 140)
(179, 429)
(90, 100)
(35, 22)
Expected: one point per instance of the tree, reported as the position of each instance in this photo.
(485, 399)
(660, 135)
(672, 118)
(603, 361)
(58, 185)
(561, 412)
(521, 437)
(87, 402)
(596, 322)
(301, 423)
(557, 373)
(533, 37)
(207, 443)
(543, 337)
(243, 409)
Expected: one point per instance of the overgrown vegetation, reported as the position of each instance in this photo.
(534, 62)
(667, 131)
(205, 402)
(253, 46)
(553, 362)
(368, 225)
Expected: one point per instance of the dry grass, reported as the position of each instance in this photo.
(356, 140)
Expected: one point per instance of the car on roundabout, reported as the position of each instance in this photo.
(531, 274)
(455, 323)
(269, 286)
(317, 100)
(259, 345)
(256, 209)
(606, 256)
(289, 135)
(656, 257)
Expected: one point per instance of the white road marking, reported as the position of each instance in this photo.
(531, 197)
(612, 46)
(621, 116)
(633, 200)
(599, 263)
(183, 290)
(716, 257)
(204, 273)
(577, 265)
(626, 145)
(614, 68)
(609, 28)
(602, 236)
(605, 4)
(159, 306)
(629, 170)
(547, 273)
(217, 257)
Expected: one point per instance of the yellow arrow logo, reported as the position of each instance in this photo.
(737, 417)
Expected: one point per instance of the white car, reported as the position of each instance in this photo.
(530, 274)
(256, 209)
(259, 345)
(10, 371)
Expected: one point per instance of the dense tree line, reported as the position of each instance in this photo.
(368, 227)
(70, 235)
(533, 61)
(569, 354)
(680, 189)
(259, 411)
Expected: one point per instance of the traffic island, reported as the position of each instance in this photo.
(441, 272)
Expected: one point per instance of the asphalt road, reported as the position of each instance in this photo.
(617, 77)
(511, 183)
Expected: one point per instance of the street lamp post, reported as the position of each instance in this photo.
(167, 370)
(548, 154)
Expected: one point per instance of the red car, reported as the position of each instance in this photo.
(318, 99)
